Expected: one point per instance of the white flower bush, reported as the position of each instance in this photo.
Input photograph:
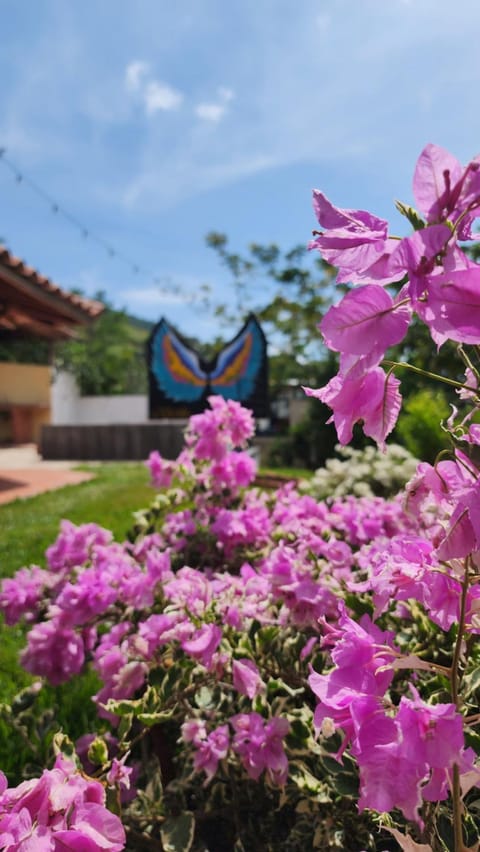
(363, 473)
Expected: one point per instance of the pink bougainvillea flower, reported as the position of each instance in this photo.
(445, 190)
(203, 644)
(354, 240)
(363, 667)
(61, 810)
(21, 595)
(75, 544)
(210, 748)
(161, 470)
(119, 774)
(54, 651)
(436, 177)
(377, 748)
(246, 678)
(431, 733)
(416, 256)
(450, 306)
(92, 828)
(366, 321)
(373, 398)
(259, 745)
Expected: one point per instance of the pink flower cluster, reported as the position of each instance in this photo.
(257, 742)
(282, 585)
(436, 564)
(126, 608)
(226, 562)
(217, 437)
(442, 288)
(422, 741)
(62, 810)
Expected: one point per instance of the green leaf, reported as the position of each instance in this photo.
(474, 680)
(300, 729)
(151, 719)
(177, 832)
(124, 726)
(204, 698)
(170, 683)
(472, 739)
(63, 745)
(98, 752)
(124, 707)
(24, 699)
(333, 767)
(346, 785)
(411, 214)
(277, 684)
(360, 606)
(304, 780)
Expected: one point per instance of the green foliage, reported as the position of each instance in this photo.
(107, 357)
(308, 443)
(30, 723)
(289, 291)
(23, 350)
(419, 428)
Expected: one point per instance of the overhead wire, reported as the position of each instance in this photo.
(85, 231)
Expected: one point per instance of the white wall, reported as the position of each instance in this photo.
(112, 409)
(63, 399)
(70, 409)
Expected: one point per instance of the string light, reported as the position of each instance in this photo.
(86, 232)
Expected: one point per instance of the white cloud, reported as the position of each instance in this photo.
(154, 296)
(155, 95)
(210, 111)
(160, 96)
(135, 74)
(215, 110)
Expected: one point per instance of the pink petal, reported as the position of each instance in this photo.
(366, 319)
(429, 181)
(452, 307)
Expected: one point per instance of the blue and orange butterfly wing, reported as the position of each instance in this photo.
(176, 367)
(238, 365)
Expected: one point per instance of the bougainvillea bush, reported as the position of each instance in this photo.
(277, 672)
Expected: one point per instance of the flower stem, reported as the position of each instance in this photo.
(429, 375)
(455, 679)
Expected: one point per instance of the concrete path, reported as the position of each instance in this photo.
(23, 473)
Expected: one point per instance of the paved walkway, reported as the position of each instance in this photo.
(23, 473)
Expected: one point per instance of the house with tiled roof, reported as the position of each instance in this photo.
(32, 304)
(32, 307)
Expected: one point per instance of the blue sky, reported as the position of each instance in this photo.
(155, 122)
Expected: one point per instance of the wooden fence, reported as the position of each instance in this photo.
(119, 442)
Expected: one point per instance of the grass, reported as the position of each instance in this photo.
(30, 526)
(294, 472)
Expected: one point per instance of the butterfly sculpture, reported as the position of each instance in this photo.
(237, 372)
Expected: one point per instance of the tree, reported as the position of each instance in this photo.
(107, 357)
(295, 287)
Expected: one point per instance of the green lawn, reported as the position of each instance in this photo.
(293, 472)
(29, 526)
